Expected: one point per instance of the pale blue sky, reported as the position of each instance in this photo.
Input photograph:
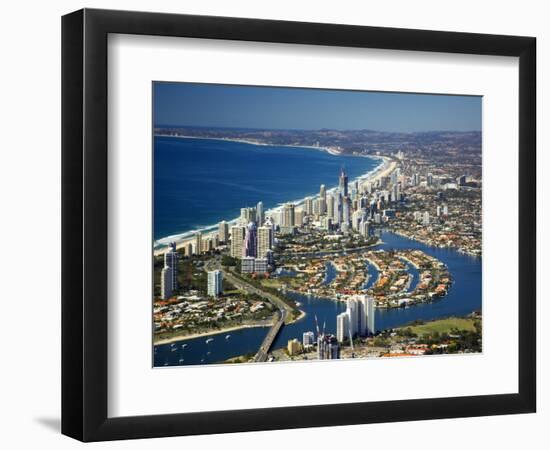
(211, 105)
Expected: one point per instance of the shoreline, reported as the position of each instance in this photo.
(188, 337)
(386, 166)
(329, 150)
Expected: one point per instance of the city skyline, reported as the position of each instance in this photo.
(282, 108)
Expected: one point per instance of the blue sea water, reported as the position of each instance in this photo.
(199, 182)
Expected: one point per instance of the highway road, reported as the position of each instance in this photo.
(261, 356)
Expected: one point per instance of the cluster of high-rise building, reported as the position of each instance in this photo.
(347, 208)
(252, 239)
(357, 320)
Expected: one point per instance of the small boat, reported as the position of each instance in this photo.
(173, 349)
(228, 336)
(209, 340)
(209, 353)
(184, 345)
(181, 360)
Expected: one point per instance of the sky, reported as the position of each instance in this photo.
(216, 105)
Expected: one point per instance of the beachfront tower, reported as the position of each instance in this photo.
(249, 246)
(215, 283)
(223, 232)
(248, 215)
(264, 241)
(287, 216)
(343, 183)
(237, 238)
(323, 200)
(198, 243)
(260, 214)
(166, 283)
(171, 260)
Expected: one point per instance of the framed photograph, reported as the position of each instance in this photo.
(273, 225)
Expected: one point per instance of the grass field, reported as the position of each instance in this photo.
(443, 326)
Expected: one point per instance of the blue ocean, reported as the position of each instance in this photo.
(199, 182)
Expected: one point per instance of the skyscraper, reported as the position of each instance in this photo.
(223, 232)
(346, 208)
(171, 260)
(330, 206)
(166, 283)
(337, 211)
(353, 312)
(264, 241)
(215, 283)
(287, 216)
(237, 239)
(343, 183)
(342, 326)
(260, 214)
(198, 243)
(368, 306)
(365, 228)
(248, 215)
(249, 246)
(308, 206)
(322, 199)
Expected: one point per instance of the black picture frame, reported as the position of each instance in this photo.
(84, 224)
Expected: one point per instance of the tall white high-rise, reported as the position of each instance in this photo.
(215, 283)
(223, 231)
(264, 241)
(342, 326)
(368, 305)
(237, 239)
(166, 283)
(353, 312)
(171, 260)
